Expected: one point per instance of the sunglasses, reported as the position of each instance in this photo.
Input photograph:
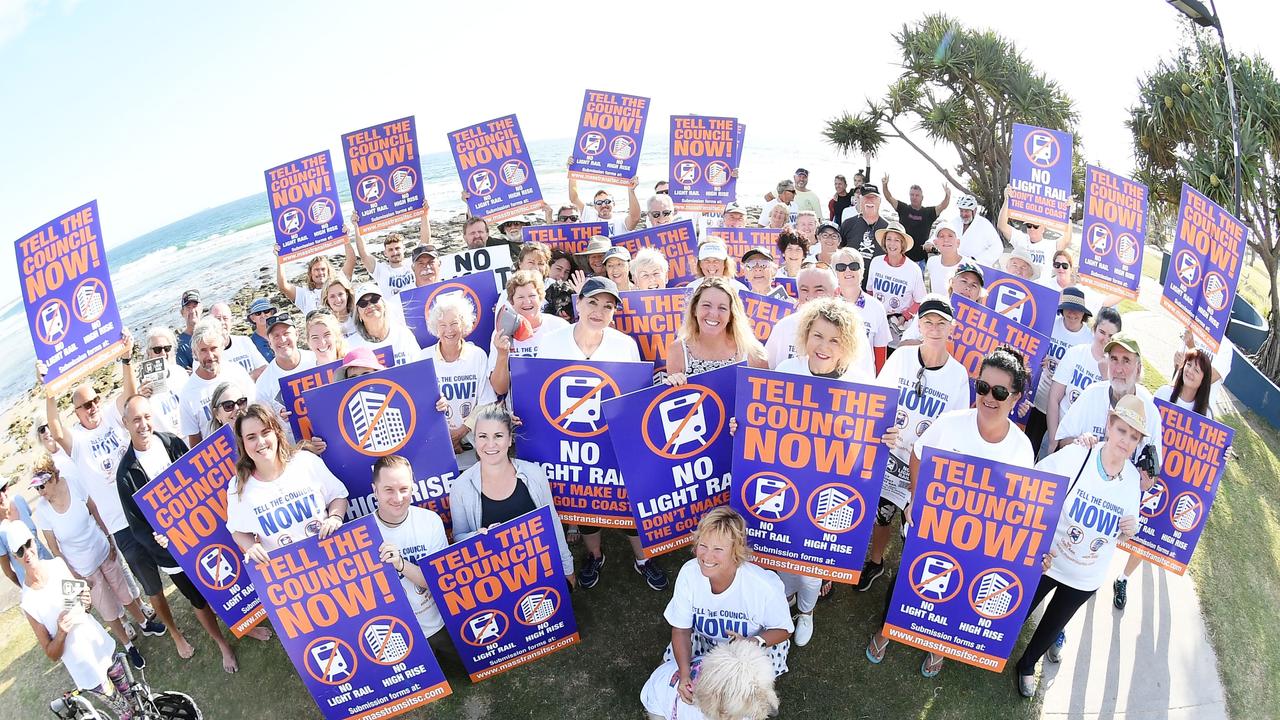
(661, 213)
(844, 267)
(568, 218)
(999, 392)
(1029, 226)
(89, 404)
(1062, 265)
(23, 548)
(757, 265)
(40, 480)
(368, 300)
(42, 429)
(260, 313)
(602, 203)
(661, 192)
(161, 349)
(229, 405)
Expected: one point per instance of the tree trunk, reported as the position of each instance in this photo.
(1268, 357)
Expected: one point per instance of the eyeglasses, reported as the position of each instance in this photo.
(661, 213)
(1062, 265)
(757, 265)
(602, 203)
(368, 300)
(999, 392)
(161, 349)
(90, 403)
(229, 405)
(847, 267)
(568, 218)
(23, 548)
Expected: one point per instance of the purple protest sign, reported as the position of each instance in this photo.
(1175, 507)
(979, 329)
(812, 444)
(385, 174)
(682, 467)
(569, 237)
(495, 169)
(341, 615)
(503, 595)
(741, 138)
(564, 430)
(677, 241)
(1040, 176)
(652, 318)
(66, 290)
(1115, 231)
(292, 387)
(739, 240)
(305, 210)
(1022, 301)
(971, 563)
(390, 412)
(480, 289)
(1208, 247)
(788, 284)
(187, 503)
(703, 153)
(610, 134)
(763, 312)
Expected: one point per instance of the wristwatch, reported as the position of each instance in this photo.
(760, 640)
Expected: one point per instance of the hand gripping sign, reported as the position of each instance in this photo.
(495, 169)
(187, 503)
(610, 135)
(348, 627)
(807, 468)
(1208, 254)
(385, 174)
(1040, 176)
(305, 210)
(1115, 232)
(971, 562)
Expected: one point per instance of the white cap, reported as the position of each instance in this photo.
(712, 251)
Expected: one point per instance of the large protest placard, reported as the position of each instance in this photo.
(1175, 507)
(293, 386)
(305, 211)
(703, 153)
(978, 330)
(1115, 232)
(971, 563)
(764, 311)
(569, 237)
(1026, 302)
(1040, 177)
(681, 468)
(739, 240)
(385, 174)
(390, 412)
(560, 405)
(812, 444)
(652, 318)
(503, 595)
(610, 135)
(1208, 250)
(495, 258)
(495, 169)
(740, 139)
(66, 290)
(187, 503)
(677, 241)
(346, 624)
(479, 289)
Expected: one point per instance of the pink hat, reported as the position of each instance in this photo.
(361, 357)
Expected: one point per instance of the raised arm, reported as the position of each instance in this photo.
(57, 430)
(286, 288)
(368, 260)
(128, 378)
(884, 188)
(574, 200)
(633, 207)
(946, 199)
(1002, 221)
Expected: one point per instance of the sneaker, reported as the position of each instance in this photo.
(1027, 685)
(1055, 650)
(870, 571)
(654, 576)
(135, 657)
(804, 629)
(154, 628)
(1121, 589)
(590, 573)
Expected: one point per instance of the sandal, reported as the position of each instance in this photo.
(876, 654)
(932, 665)
(827, 587)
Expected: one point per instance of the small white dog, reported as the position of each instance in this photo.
(732, 682)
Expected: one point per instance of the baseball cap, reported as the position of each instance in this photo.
(1073, 299)
(520, 219)
(1124, 340)
(429, 250)
(1132, 411)
(712, 251)
(16, 534)
(800, 171)
(763, 252)
(617, 251)
(367, 288)
(7, 481)
(734, 208)
(281, 319)
(827, 225)
(869, 189)
(936, 305)
(787, 185)
(969, 266)
(261, 305)
(190, 296)
(361, 357)
(599, 285)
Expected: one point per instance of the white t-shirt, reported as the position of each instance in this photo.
(769, 205)
(940, 275)
(755, 601)
(267, 388)
(193, 401)
(80, 540)
(1041, 254)
(614, 347)
(1077, 370)
(87, 649)
(244, 353)
(1090, 520)
(874, 319)
(393, 280)
(166, 414)
(306, 299)
(287, 509)
(617, 221)
(940, 391)
(1166, 391)
(404, 346)
(897, 287)
(1060, 342)
(1089, 414)
(981, 242)
(421, 534)
(957, 432)
(462, 382)
(96, 453)
(856, 372)
(782, 340)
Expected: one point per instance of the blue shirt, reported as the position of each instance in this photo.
(183, 355)
(263, 346)
(24, 515)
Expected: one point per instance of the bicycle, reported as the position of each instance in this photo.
(132, 699)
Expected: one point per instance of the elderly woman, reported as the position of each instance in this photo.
(649, 269)
(526, 294)
(760, 269)
(377, 325)
(778, 217)
(461, 367)
(617, 267)
(339, 300)
(828, 241)
(714, 261)
(325, 337)
(792, 250)
(715, 333)
(892, 278)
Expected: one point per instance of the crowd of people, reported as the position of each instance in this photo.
(872, 304)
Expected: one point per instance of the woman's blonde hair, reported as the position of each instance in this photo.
(738, 328)
(245, 465)
(346, 287)
(526, 277)
(329, 320)
(727, 523)
(844, 316)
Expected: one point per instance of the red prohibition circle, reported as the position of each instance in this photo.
(62, 312)
(234, 561)
(1053, 142)
(1199, 512)
(392, 622)
(340, 645)
(393, 389)
(977, 581)
(854, 496)
(549, 594)
(102, 292)
(499, 618)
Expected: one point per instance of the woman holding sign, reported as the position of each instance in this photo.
(460, 366)
(526, 293)
(1080, 366)
(715, 333)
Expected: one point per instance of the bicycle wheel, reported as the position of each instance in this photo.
(171, 705)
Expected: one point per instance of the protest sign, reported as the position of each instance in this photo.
(1026, 302)
(66, 290)
(293, 386)
(740, 139)
(187, 503)
(1040, 177)
(385, 174)
(305, 211)
(390, 412)
(563, 429)
(1208, 247)
(341, 614)
(978, 330)
(1115, 231)
(569, 237)
(739, 240)
(703, 151)
(812, 444)
(610, 134)
(503, 595)
(677, 241)
(495, 169)
(971, 563)
(652, 318)
(763, 312)
(480, 290)
(789, 284)
(477, 260)
(682, 467)
(1175, 507)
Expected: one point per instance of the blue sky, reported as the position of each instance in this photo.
(160, 109)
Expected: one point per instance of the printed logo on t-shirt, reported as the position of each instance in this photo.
(399, 282)
(104, 449)
(283, 513)
(719, 623)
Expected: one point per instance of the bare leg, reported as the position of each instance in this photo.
(165, 613)
(636, 548)
(592, 542)
(209, 622)
(135, 611)
(879, 541)
(1130, 565)
(117, 629)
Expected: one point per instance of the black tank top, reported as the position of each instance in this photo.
(513, 506)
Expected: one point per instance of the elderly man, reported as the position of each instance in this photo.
(859, 231)
(811, 283)
(289, 359)
(784, 195)
(426, 265)
(208, 342)
(916, 218)
(191, 310)
(734, 216)
(240, 349)
(662, 210)
(979, 239)
(1086, 422)
(165, 382)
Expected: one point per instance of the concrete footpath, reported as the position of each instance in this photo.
(1154, 659)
